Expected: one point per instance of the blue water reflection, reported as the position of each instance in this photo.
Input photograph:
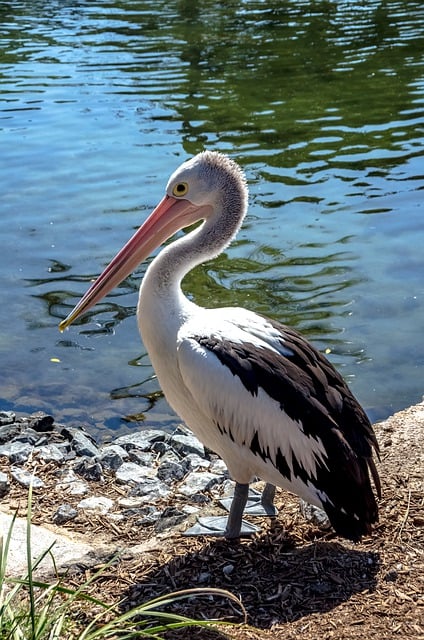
(322, 104)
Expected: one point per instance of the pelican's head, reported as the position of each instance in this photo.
(195, 191)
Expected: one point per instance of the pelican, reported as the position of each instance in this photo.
(251, 389)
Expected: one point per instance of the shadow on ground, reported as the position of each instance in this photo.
(277, 581)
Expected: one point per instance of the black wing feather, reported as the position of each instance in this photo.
(310, 390)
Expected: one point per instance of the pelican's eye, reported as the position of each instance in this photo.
(180, 189)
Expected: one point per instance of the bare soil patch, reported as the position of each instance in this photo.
(293, 578)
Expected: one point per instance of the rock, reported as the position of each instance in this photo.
(7, 417)
(143, 458)
(64, 549)
(27, 435)
(219, 466)
(82, 444)
(131, 473)
(142, 440)
(314, 514)
(160, 448)
(50, 452)
(187, 443)
(148, 515)
(98, 504)
(170, 471)
(151, 488)
(64, 513)
(198, 481)
(89, 469)
(170, 517)
(112, 457)
(69, 483)
(4, 484)
(196, 462)
(25, 478)
(131, 502)
(9, 431)
(17, 452)
(40, 421)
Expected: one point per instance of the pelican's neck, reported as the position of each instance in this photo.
(165, 274)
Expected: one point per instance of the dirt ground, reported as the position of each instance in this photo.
(293, 578)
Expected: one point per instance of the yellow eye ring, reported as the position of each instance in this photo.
(180, 189)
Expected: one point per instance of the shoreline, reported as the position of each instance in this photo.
(293, 577)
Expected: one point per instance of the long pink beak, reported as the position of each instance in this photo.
(167, 218)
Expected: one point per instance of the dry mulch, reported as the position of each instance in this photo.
(293, 578)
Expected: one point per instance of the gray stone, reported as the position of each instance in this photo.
(197, 462)
(40, 421)
(65, 550)
(64, 513)
(50, 452)
(198, 481)
(187, 444)
(148, 515)
(141, 439)
(131, 503)
(8, 432)
(89, 469)
(314, 514)
(143, 458)
(219, 466)
(151, 489)
(97, 504)
(17, 452)
(170, 471)
(131, 473)
(25, 478)
(4, 484)
(27, 435)
(70, 483)
(169, 518)
(112, 457)
(82, 444)
(7, 417)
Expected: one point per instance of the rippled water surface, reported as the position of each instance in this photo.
(320, 102)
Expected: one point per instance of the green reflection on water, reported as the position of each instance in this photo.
(321, 104)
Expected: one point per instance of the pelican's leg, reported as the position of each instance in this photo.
(241, 492)
(267, 499)
(231, 527)
(261, 505)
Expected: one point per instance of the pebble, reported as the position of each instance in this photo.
(64, 513)
(132, 473)
(7, 417)
(25, 478)
(112, 457)
(97, 504)
(50, 452)
(17, 452)
(148, 465)
(152, 488)
(81, 444)
(198, 481)
(4, 484)
(187, 443)
(142, 440)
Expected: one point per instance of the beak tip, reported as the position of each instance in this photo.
(63, 325)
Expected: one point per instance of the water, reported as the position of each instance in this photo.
(320, 102)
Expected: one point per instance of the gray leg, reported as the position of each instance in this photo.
(231, 527)
(267, 499)
(232, 530)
